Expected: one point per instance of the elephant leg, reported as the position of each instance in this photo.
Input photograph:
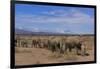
(70, 49)
(61, 51)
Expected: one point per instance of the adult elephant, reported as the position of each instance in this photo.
(34, 43)
(80, 47)
(17, 41)
(24, 43)
(52, 46)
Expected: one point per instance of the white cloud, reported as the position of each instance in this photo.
(57, 12)
(73, 16)
(60, 31)
(35, 30)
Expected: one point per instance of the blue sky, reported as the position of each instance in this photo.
(54, 19)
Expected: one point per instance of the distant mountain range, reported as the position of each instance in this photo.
(26, 32)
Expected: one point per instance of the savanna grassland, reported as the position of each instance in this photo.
(42, 55)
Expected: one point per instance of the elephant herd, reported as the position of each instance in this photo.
(54, 46)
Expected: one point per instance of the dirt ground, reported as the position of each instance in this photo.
(29, 56)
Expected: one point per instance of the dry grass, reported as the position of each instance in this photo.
(22, 51)
(70, 56)
(25, 56)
